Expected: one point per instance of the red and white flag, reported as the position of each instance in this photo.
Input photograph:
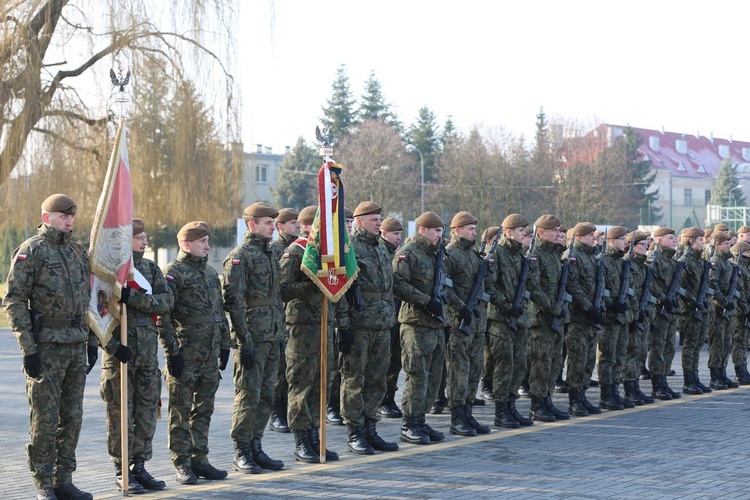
(111, 251)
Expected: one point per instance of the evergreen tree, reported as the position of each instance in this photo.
(449, 134)
(424, 135)
(296, 187)
(373, 105)
(643, 177)
(339, 114)
(723, 193)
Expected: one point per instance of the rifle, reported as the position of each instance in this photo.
(732, 293)
(646, 296)
(521, 292)
(704, 289)
(440, 279)
(562, 296)
(674, 287)
(625, 290)
(599, 291)
(477, 289)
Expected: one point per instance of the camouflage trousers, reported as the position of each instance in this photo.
(422, 356)
(303, 375)
(363, 376)
(631, 368)
(144, 389)
(191, 405)
(464, 356)
(545, 359)
(394, 365)
(281, 387)
(510, 352)
(581, 343)
(611, 351)
(253, 392)
(720, 340)
(694, 336)
(488, 371)
(55, 413)
(739, 341)
(661, 344)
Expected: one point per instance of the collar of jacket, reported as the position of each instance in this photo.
(366, 236)
(547, 245)
(422, 243)
(668, 252)
(137, 258)
(723, 255)
(639, 259)
(193, 260)
(286, 239)
(512, 245)
(584, 248)
(462, 243)
(256, 240)
(613, 252)
(53, 235)
(388, 245)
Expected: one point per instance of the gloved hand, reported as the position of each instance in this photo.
(32, 364)
(92, 353)
(555, 310)
(351, 294)
(247, 356)
(466, 315)
(346, 340)
(123, 353)
(223, 358)
(670, 304)
(125, 295)
(729, 306)
(700, 306)
(515, 311)
(176, 365)
(619, 307)
(642, 317)
(594, 314)
(435, 307)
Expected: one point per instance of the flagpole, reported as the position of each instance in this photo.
(124, 409)
(323, 376)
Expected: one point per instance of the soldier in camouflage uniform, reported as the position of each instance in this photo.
(720, 336)
(488, 369)
(545, 344)
(194, 335)
(251, 297)
(422, 334)
(581, 339)
(390, 237)
(287, 228)
(740, 331)
(49, 276)
(144, 378)
(364, 350)
(303, 315)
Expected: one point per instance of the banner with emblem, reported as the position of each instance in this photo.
(329, 258)
(111, 251)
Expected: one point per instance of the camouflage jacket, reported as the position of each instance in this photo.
(664, 268)
(197, 325)
(546, 280)
(251, 292)
(302, 296)
(375, 279)
(743, 286)
(503, 279)
(581, 281)
(49, 274)
(463, 263)
(142, 310)
(691, 278)
(721, 275)
(613, 265)
(638, 272)
(282, 241)
(413, 278)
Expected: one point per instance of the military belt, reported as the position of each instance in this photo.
(378, 295)
(144, 321)
(263, 302)
(197, 320)
(62, 322)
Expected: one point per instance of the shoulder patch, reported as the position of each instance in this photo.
(21, 256)
(235, 262)
(169, 277)
(533, 259)
(402, 257)
(285, 255)
(572, 259)
(491, 261)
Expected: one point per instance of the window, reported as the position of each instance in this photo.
(261, 174)
(708, 196)
(688, 197)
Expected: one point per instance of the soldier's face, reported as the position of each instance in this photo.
(393, 237)
(58, 220)
(724, 246)
(641, 247)
(199, 247)
(289, 227)
(617, 243)
(262, 226)
(588, 239)
(349, 225)
(516, 234)
(745, 237)
(746, 254)
(698, 243)
(732, 241)
(370, 223)
(140, 242)
(668, 241)
(550, 235)
(431, 234)
(468, 232)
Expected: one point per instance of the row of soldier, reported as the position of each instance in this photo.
(530, 297)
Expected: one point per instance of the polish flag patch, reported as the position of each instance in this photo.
(572, 259)
(533, 259)
(402, 257)
(491, 261)
(169, 277)
(285, 256)
(235, 262)
(21, 256)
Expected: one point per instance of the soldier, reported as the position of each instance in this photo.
(49, 278)
(465, 347)
(195, 334)
(581, 337)
(508, 322)
(144, 378)
(364, 350)
(489, 362)
(739, 327)
(391, 232)
(422, 327)
(720, 336)
(287, 227)
(251, 297)
(546, 344)
(303, 314)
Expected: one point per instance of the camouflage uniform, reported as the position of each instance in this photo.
(144, 378)
(394, 365)
(720, 336)
(740, 331)
(613, 339)
(694, 331)
(197, 328)
(663, 331)
(631, 368)
(49, 274)
(581, 336)
(251, 297)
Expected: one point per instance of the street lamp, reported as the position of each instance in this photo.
(372, 176)
(411, 148)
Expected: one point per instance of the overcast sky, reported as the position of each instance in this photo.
(678, 65)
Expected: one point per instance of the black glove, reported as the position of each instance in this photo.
(642, 317)
(555, 310)
(176, 365)
(670, 304)
(123, 353)
(351, 295)
(247, 356)
(435, 307)
(619, 307)
(346, 340)
(515, 311)
(92, 353)
(125, 295)
(700, 306)
(729, 306)
(466, 315)
(223, 358)
(594, 314)
(32, 364)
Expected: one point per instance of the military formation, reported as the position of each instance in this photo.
(509, 314)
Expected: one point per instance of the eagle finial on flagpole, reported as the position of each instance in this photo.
(120, 81)
(324, 138)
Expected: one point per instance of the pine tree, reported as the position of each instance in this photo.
(424, 135)
(723, 192)
(373, 105)
(339, 114)
(296, 185)
(449, 134)
(643, 177)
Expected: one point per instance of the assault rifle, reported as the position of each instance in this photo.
(732, 293)
(521, 292)
(674, 287)
(625, 289)
(440, 279)
(562, 296)
(477, 289)
(704, 289)
(599, 291)
(646, 296)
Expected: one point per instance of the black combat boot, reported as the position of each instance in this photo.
(261, 458)
(626, 403)
(138, 469)
(657, 388)
(486, 390)
(690, 387)
(590, 407)
(539, 410)
(480, 428)
(728, 381)
(278, 422)
(503, 418)
(525, 422)
(303, 450)
(134, 487)
(357, 443)
(559, 414)
(717, 381)
(411, 431)
(185, 475)
(377, 442)
(209, 472)
(71, 492)
(331, 456)
(434, 435)
(560, 386)
(46, 493)
(645, 374)
(333, 415)
(439, 404)
(631, 394)
(459, 425)
(607, 399)
(666, 387)
(388, 407)
(697, 380)
(575, 404)
(243, 459)
(742, 376)
(645, 397)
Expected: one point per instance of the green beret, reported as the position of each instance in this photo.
(59, 203)
(740, 247)
(490, 233)
(365, 208)
(286, 215)
(721, 227)
(707, 233)
(513, 221)
(583, 228)
(547, 221)
(307, 215)
(260, 209)
(637, 236)
(615, 232)
(743, 229)
(662, 231)
(193, 231)
(391, 224)
(463, 219)
(138, 226)
(692, 232)
(721, 237)
(528, 230)
(429, 220)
